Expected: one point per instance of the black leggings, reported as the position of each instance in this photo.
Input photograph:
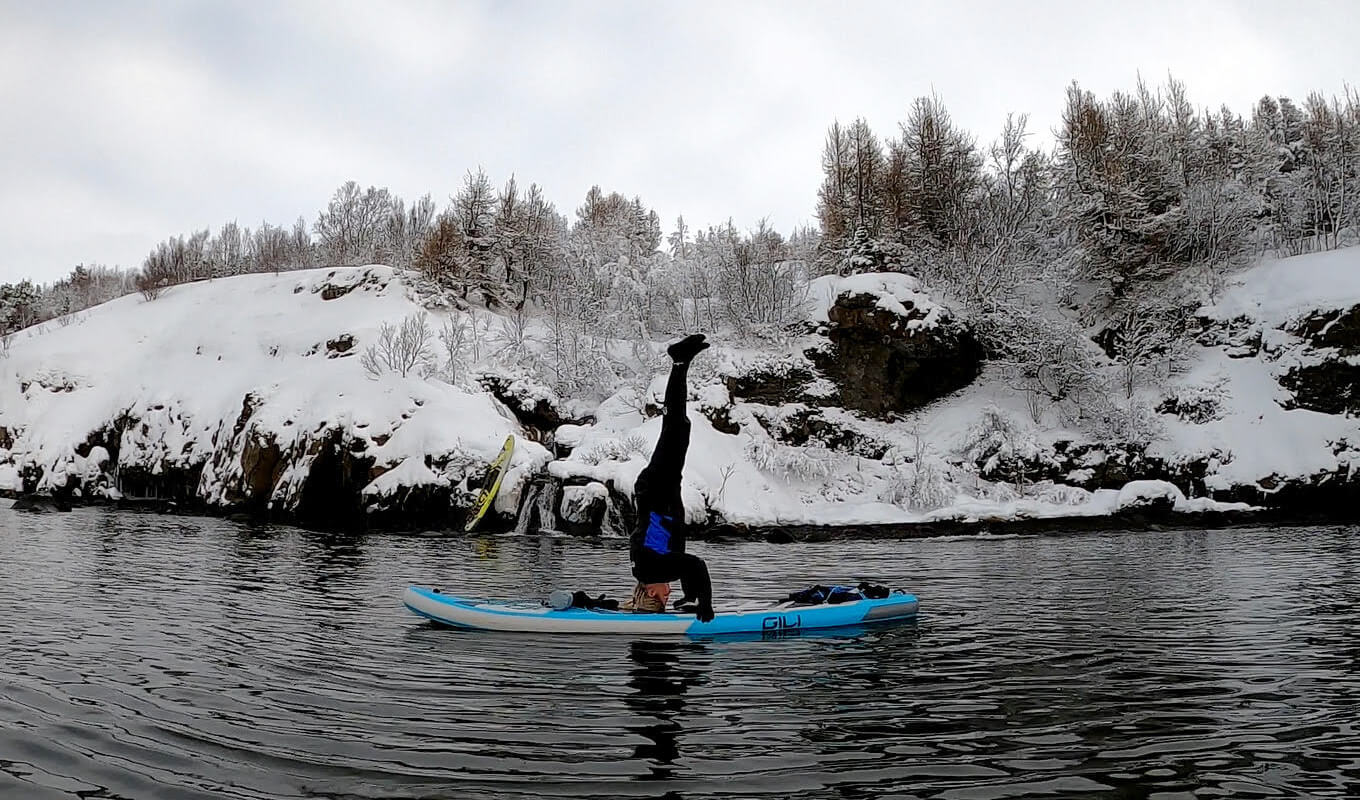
(668, 458)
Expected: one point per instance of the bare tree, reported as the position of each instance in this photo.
(268, 249)
(1145, 339)
(454, 337)
(400, 349)
(350, 230)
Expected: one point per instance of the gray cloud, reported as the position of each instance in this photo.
(126, 123)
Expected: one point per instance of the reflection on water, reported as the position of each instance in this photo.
(150, 656)
(660, 684)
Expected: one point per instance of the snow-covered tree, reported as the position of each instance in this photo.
(678, 241)
(544, 233)
(941, 174)
(404, 231)
(851, 201)
(18, 306)
(227, 252)
(350, 231)
(268, 249)
(833, 198)
(610, 228)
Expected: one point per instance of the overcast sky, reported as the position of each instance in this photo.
(122, 123)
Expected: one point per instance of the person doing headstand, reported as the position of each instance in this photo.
(657, 544)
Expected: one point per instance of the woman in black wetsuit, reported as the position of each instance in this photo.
(657, 545)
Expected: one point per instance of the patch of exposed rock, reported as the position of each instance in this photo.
(534, 406)
(1330, 380)
(873, 358)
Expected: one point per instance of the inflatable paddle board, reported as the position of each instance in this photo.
(487, 495)
(769, 618)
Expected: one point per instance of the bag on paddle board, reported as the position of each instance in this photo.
(818, 594)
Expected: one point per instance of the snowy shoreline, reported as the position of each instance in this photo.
(982, 528)
(255, 396)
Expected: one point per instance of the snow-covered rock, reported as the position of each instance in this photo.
(583, 507)
(896, 293)
(893, 347)
(885, 347)
(1151, 495)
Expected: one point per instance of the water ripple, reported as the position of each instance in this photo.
(172, 657)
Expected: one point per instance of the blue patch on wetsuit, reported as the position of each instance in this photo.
(658, 533)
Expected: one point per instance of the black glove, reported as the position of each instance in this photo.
(704, 612)
(684, 351)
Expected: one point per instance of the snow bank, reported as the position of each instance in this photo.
(1278, 291)
(1253, 435)
(897, 293)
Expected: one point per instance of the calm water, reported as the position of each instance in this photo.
(146, 656)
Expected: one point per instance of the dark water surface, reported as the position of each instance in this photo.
(146, 656)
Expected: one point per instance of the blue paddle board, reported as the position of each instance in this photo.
(760, 618)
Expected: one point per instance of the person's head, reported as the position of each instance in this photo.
(660, 591)
(651, 597)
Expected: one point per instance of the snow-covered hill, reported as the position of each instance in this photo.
(231, 391)
(248, 393)
(1282, 333)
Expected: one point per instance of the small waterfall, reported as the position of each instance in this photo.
(547, 516)
(616, 518)
(527, 507)
(539, 507)
(536, 506)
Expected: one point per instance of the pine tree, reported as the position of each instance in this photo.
(678, 241)
(474, 216)
(942, 172)
(834, 208)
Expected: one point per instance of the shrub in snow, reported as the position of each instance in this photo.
(1060, 494)
(634, 444)
(1196, 403)
(782, 461)
(997, 492)
(400, 349)
(919, 481)
(1045, 355)
(728, 470)
(1002, 447)
(805, 463)
(1131, 421)
(514, 338)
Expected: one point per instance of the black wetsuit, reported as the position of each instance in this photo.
(658, 539)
